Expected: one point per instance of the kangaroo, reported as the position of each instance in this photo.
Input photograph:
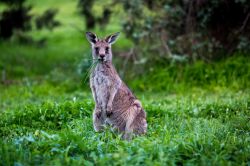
(115, 104)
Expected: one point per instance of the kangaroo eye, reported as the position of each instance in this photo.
(96, 49)
(107, 50)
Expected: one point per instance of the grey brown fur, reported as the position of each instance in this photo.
(114, 102)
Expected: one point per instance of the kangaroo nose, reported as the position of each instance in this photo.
(102, 55)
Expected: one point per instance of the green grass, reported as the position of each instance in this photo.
(198, 114)
(233, 73)
(196, 127)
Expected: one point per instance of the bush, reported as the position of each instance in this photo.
(18, 11)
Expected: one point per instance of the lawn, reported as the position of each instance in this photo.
(48, 125)
(198, 114)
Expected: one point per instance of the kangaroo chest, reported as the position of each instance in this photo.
(102, 83)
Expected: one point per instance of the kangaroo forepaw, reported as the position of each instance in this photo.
(109, 111)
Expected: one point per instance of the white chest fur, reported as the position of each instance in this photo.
(101, 83)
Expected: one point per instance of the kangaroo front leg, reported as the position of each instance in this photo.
(113, 91)
(98, 121)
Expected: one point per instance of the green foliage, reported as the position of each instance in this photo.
(91, 18)
(192, 29)
(228, 73)
(20, 12)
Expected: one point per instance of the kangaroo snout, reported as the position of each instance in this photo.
(102, 57)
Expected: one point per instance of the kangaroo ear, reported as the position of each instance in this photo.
(92, 38)
(112, 38)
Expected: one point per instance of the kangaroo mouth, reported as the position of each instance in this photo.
(101, 59)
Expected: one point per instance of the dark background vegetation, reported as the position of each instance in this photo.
(187, 60)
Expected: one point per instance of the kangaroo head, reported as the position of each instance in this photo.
(101, 48)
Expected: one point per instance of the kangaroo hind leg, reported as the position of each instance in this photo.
(133, 115)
